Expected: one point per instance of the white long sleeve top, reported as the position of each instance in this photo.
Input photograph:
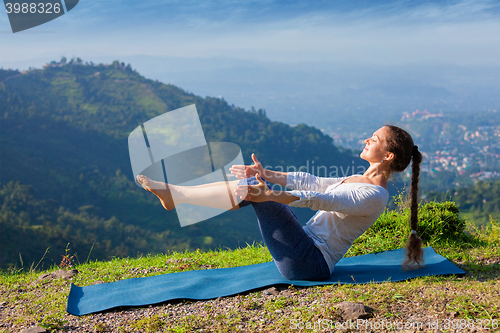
(345, 210)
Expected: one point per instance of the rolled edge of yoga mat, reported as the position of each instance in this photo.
(220, 282)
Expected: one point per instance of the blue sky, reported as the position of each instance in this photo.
(353, 32)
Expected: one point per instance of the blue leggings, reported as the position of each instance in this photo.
(293, 251)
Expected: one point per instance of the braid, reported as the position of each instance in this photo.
(400, 143)
(414, 245)
(415, 173)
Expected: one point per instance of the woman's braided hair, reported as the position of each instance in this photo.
(400, 143)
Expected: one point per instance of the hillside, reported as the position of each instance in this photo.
(29, 298)
(479, 203)
(66, 177)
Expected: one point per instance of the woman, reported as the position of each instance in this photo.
(346, 207)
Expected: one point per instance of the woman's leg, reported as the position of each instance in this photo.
(293, 251)
(213, 195)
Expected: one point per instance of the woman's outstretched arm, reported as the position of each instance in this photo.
(247, 171)
(261, 193)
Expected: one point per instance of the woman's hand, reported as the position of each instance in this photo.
(254, 193)
(247, 171)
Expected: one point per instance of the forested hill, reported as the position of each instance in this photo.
(479, 203)
(65, 175)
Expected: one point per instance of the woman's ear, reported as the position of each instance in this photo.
(389, 156)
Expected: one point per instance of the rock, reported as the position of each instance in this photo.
(272, 291)
(34, 329)
(57, 275)
(45, 276)
(286, 293)
(353, 311)
(65, 274)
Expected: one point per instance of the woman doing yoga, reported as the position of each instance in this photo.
(346, 207)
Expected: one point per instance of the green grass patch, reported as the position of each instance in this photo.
(472, 297)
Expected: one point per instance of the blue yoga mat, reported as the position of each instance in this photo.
(213, 283)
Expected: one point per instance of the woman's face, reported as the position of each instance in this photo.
(375, 147)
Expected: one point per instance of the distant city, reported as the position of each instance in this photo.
(467, 145)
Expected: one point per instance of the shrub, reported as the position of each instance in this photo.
(439, 223)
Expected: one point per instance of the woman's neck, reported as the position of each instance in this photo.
(377, 174)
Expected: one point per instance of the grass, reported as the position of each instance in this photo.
(471, 298)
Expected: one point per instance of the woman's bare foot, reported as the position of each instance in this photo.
(161, 190)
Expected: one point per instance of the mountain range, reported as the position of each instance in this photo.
(65, 174)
